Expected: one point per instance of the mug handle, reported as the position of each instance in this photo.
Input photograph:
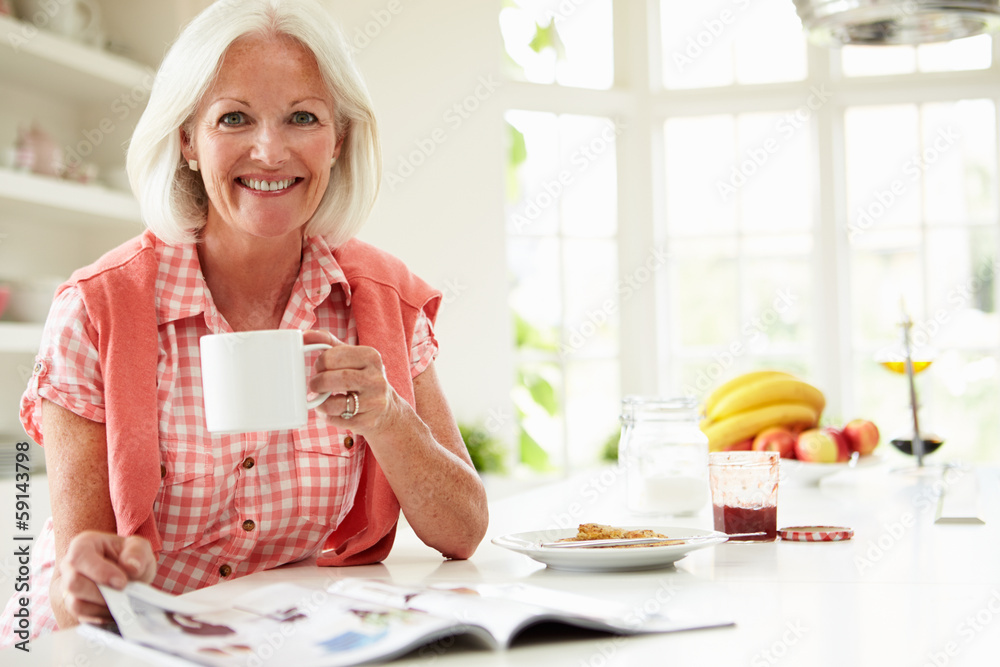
(325, 395)
(93, 14)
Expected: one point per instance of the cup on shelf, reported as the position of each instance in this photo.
(4, 296)
(77, 19)
(37, 151)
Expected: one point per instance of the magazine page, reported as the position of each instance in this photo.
(463, 605)
(280, 624)
(505, 609)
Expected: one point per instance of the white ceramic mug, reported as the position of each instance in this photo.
(256, 380)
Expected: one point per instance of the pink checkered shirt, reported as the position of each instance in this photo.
(229, 505)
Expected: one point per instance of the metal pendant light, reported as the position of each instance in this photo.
(875, 22)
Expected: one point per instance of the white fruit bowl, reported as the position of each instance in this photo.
(805, 473)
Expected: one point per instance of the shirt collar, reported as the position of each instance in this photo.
(181, 290)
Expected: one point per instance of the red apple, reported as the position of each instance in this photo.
(843, 448)
(816, 446)
(741, 446)
(862, 436)
(775, 439)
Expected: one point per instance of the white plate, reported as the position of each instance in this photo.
(806, 473)
(604, 559)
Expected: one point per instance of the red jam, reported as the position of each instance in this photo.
(732, 520)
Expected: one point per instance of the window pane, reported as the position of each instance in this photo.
(591, 297)
(878, 60)
(770, 43)
(883, 167)
(960, 54)
(721, 42)
(959, 385)
(538, 395)
(721, 169)
(697, 153)
(704, 294)
(886, 265)
(962, 265)
(762, 308)
(971, 53)
(593, 400)
(534, 266)
(586, 32)
(553, 41)
(958, 161)
(773, 164)
(778, 294)
(534, 162)
(587, 175)
(566, 172)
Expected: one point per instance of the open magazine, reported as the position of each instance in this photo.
(359, 620)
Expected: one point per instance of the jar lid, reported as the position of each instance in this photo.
(815, 533)
(657, 408)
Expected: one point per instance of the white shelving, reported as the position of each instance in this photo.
(44, 199)
(20, 337)
(52, 70)
(40, 60)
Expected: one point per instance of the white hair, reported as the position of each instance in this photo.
(172, 198)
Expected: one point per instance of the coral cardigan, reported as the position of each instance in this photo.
(119, 294)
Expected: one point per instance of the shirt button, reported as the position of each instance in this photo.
(348, 442)
(248, 462)
(248, 525)
(225, 570)
(163, 471)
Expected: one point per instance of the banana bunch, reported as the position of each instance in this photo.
(744, 406)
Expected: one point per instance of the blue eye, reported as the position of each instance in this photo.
(232, 119)
(303, 118)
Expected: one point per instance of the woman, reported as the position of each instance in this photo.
(255, 163)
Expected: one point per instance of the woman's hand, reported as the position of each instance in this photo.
(354, 368)
(101, 558)
(419, 448)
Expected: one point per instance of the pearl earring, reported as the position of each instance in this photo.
(333, 161)
(193, 165)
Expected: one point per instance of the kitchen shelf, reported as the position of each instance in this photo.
(43, 199)
(43, 61)
(20, 337)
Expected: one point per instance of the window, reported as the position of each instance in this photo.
(562, 225)
(554, 41)
(784, 208)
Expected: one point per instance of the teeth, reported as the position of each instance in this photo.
(267, 186)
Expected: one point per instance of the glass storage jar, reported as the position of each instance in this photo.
(665, 455)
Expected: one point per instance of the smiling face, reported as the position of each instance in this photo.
(264, 138)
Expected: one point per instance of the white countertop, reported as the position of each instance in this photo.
(904, 591)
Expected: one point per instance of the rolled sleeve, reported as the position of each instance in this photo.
(67, 370)
(423, 347)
